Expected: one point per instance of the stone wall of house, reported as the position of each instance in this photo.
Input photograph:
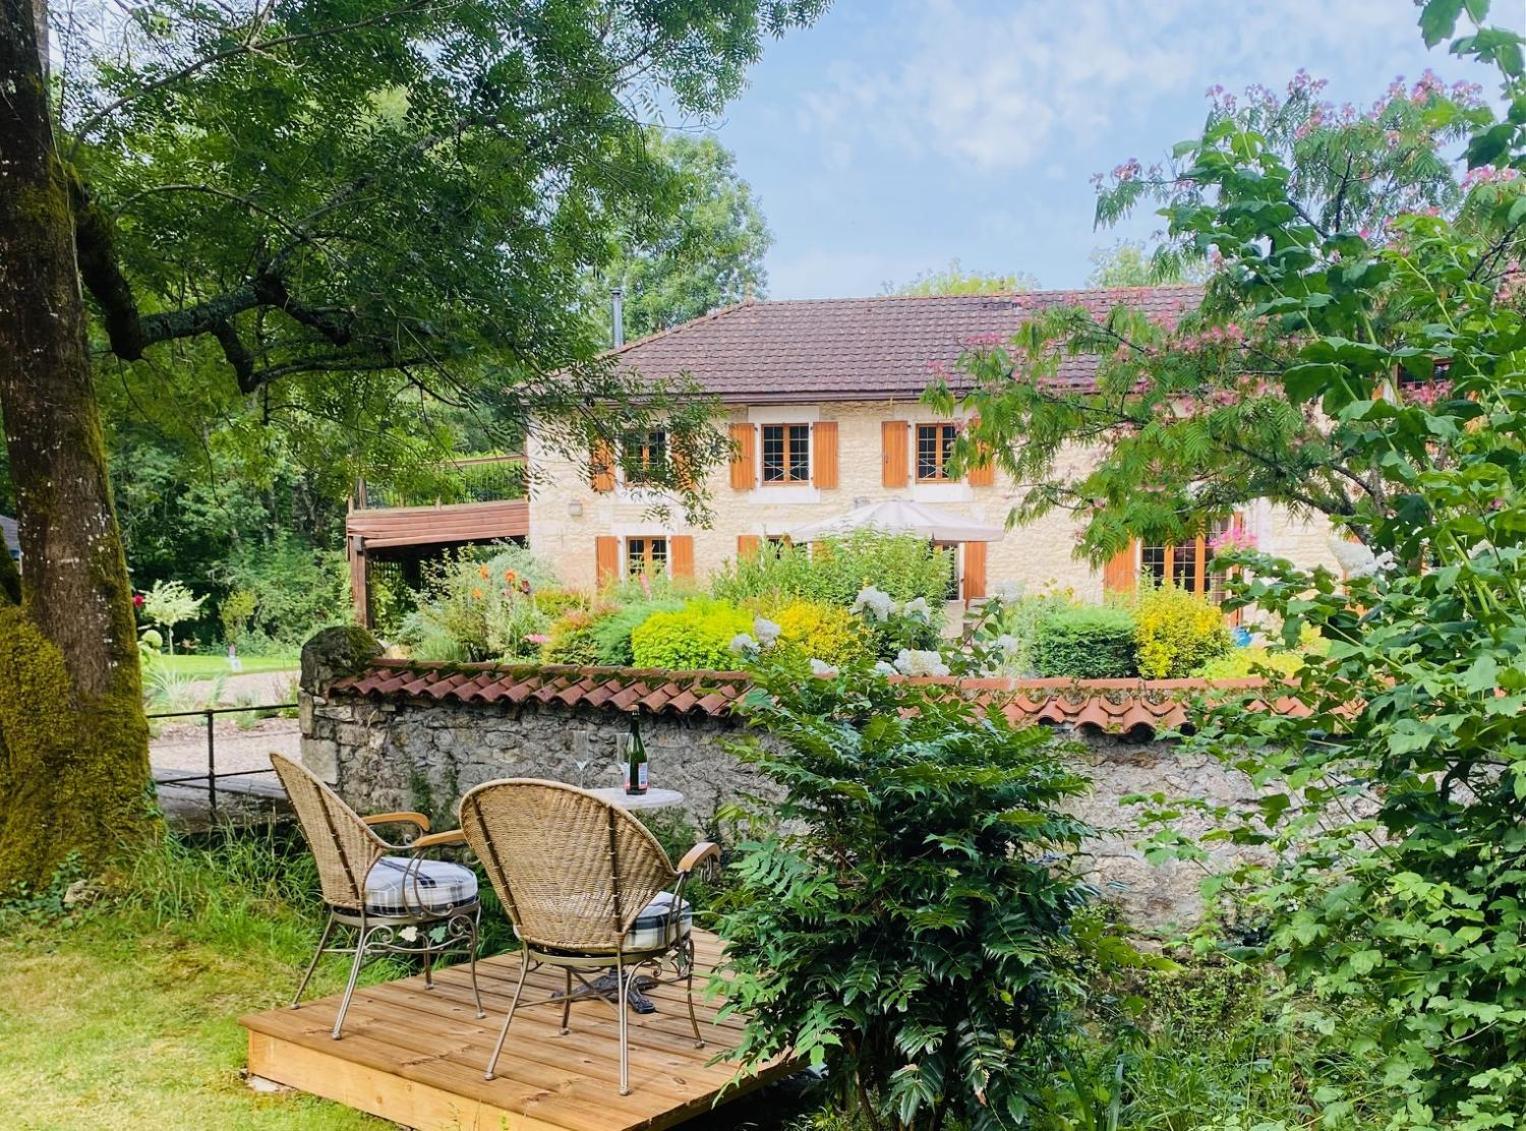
(400, 754)
(566, 514)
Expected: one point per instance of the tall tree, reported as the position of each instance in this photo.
(73, 740)
(1129, 263)
(342, 215)
(711, 254)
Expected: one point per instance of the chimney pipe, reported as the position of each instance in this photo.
(617, 315)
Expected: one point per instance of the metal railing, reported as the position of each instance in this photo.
(212, 777)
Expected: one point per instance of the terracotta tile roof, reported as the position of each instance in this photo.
(864, 348)
(631, 690)
(1111, 706)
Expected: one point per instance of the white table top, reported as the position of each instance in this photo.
(651, 799)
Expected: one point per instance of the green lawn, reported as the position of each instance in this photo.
(209, 667)
(126, 1015)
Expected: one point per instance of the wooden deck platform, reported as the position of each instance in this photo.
(415, 1056)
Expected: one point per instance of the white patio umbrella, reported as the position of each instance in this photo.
(899, 516)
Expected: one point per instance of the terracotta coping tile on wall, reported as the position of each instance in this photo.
(1112, 706)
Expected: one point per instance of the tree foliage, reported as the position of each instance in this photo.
(1190, 409)
(1130, 264)
(352, 218)
(1379, 352)
(955, 280)
(709, 255)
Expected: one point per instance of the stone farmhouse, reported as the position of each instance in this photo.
(821, 399)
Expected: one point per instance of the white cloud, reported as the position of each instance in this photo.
(996, 87)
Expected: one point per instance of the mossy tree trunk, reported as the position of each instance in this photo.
(74, 775)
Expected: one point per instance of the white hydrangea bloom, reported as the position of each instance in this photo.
(912, 662)
(766, 630)
(742, 644)
(821, 667)
(876, 602)
(918, 610)
(1357, 560)
(884, 668)
(1006, 642)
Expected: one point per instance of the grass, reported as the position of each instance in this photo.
(125, 1014)
(199, 666)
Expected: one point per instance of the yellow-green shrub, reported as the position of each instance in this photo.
(826, 632)
(1242, 663)
(1177, 632)
(695, 637)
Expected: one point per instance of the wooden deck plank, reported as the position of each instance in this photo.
(416, 1056)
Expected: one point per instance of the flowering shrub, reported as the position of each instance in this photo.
(698, 636)
(476, 609)
(1177, 632)
(894, 627)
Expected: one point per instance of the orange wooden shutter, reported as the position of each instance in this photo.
(748, 546)
(984, 474)
(974, 571)
(681, 555)
(824, 458)
(603, 466)
(1118, 575)
(682, 477)
(606, 554)
(743, 475)
(893, 444)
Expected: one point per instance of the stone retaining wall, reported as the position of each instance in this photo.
(407, 754)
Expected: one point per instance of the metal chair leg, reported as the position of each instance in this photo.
(471, 965)
(699, 1042)
(349, 988)
(328, 929)
(428, 964)
(567, 1004)
(625, 1054)
(524, 970)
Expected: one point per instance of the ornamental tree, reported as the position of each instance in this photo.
(1191, 416)
(1361, 351)
(328, 217)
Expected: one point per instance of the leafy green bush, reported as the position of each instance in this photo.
(570, 639)
(1177, 632)
(296, 589)
(1086, 642)
(612, 629)
(907, 921)
(695, 637)
(834, 570)
(1014, 621)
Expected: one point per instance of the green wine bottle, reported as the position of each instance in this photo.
(635, 762)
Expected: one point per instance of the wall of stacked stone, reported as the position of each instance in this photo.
(407, 754)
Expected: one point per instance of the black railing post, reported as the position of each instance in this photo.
(211, 766)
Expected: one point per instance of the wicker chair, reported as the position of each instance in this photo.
(588, 889)
(395, 899)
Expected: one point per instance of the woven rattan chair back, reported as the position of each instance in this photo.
(573, 871)
(343, 845)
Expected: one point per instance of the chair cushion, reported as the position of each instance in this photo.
(651, 930)
(398, 885)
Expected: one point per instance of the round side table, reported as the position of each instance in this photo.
(651, 799)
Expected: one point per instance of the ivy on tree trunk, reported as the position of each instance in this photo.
(74, 772)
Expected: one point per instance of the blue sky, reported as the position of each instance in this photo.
(895, 135)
